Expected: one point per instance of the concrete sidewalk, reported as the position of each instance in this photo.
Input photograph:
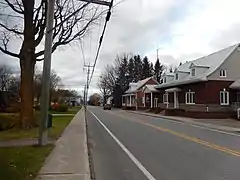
(232, 126)
(69, 159)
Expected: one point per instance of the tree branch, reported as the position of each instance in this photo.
(4, 50)
(41, 24)
(11, 29)
(13, 8)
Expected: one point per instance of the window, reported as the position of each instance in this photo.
(165, 98)
(238, 96)
(190, 97)
(193, 72)
(176, 76)
(223, 73)
(165, 79)
(224, 97)
(143, 100)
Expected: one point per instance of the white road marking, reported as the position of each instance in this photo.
(130, 155)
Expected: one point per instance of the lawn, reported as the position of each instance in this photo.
(22, 163)
(59, 123)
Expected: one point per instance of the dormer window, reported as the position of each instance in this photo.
(193, 72)
(223, 73)
(176, 76)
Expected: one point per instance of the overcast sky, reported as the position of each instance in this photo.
(183, 29)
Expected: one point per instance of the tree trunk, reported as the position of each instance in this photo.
(27, 65)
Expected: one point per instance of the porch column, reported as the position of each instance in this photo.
(151, 100)
(144, 102)
(130, 100)
(176, 104)
(136, 101)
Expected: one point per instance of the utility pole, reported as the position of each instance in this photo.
(43, 131)
(88, 78)
(45, 92)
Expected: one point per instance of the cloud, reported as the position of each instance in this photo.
(183, 29)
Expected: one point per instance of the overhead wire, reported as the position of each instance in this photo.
(100, 42)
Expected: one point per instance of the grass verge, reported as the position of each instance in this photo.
(59, 123)
(22, 163)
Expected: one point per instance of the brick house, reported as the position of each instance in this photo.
(134, 97)
(208, 84)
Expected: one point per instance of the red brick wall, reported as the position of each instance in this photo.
(213, 90)
(206, 93)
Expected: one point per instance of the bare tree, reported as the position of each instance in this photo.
(24, 22)
(107, 81)
(55, 81)
(6, 76)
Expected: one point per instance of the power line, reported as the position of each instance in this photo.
(84, 60)
(101, 39)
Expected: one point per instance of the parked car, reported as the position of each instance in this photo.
(107, 107)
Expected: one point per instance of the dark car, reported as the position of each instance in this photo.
(107, 107)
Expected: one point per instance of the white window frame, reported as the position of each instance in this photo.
(165, 79)
(190, 96)
(176, 76)
(225, 100)
(223, 73)
(193, 70)
(165, 98)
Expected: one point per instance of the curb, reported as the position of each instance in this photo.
(89, 165)
(207, 125)
(90, 159)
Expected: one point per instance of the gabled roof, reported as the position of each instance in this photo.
(212, 62)
(196, 64)
(235, 85)
(150, 88)
(136, 86)
(168, 74)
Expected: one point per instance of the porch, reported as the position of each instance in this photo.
(128, 100)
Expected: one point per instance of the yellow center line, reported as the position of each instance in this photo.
(193, 139)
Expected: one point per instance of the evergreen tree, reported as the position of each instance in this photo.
(137, 68)
(171, 69)
(158, 69)
(122, 73)
(130, 70)
(146, 71)
(151, 69)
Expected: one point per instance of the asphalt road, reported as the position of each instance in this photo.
(127, 146)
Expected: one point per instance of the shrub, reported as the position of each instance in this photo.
(14, 108)
(62, 108)
(8, 121)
